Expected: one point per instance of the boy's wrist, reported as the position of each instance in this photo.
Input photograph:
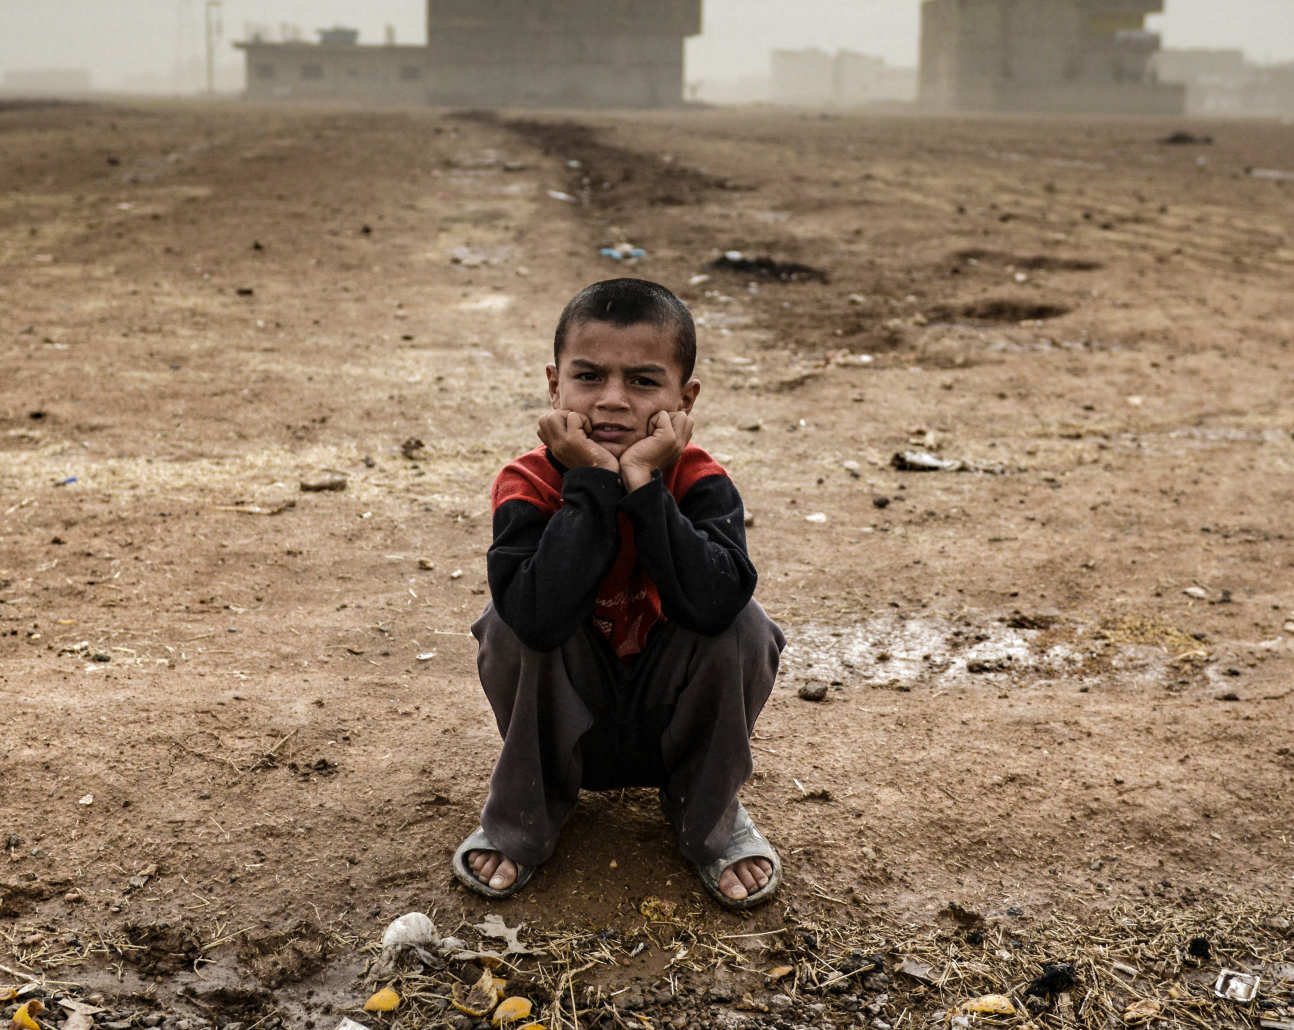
(635, 476)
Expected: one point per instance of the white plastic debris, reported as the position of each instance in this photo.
(413, 931)
(1237, 986)
(817, 516)
(350, 1024)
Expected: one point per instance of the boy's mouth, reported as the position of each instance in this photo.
(610, 431)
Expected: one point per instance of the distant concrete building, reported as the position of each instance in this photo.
(614, 53)
(1222, 82)
(1042, 55)
(846, 77)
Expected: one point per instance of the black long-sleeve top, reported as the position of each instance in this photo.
(571, 545)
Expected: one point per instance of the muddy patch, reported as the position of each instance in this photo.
(286, 957)
(1000, 309)
(1028, 262)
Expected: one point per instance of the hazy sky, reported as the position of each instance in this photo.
(120, 39)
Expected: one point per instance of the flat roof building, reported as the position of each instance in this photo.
(585, 53)
(1042, 55)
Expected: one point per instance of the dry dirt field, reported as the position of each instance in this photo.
(242, 730)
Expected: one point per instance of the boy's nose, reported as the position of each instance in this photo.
(613, 394)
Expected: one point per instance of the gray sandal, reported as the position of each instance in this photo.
(746, 842)
(478, 841)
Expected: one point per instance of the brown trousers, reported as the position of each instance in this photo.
(678, 717)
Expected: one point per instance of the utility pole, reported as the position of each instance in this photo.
(213, 31)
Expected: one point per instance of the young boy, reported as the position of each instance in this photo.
(621, 646)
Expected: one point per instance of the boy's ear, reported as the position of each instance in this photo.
(551, 372)
(690, 389)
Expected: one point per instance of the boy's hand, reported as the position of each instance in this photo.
(566, 434)
(668, 433)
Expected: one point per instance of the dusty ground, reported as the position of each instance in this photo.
(242, 728)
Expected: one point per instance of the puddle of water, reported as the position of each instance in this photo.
(921, 649)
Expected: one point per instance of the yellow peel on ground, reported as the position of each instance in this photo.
(481, 999)
(385, 1000)
(533, 1026)
(777, 972)
(22, 1019)
(990, 1005)
(512, 1009)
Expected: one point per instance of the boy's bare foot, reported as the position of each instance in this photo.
(744, 877)
(493, 868)
(739, 880)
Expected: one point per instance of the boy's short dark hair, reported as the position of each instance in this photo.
(625, 302)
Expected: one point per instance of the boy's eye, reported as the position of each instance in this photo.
(586, 377)
(644, 381)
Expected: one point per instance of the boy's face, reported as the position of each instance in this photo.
(618, 377)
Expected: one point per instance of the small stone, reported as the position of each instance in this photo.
(749, 520)
(1289, 627)
(812, 692)
(721, 993)
(426, 564)
(780, 1002)
(333, 482)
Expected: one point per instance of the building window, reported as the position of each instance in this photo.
(410, 72)
(265, 71)
(312, 71)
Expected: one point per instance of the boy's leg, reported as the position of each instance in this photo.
(541, 717)
(717, 686)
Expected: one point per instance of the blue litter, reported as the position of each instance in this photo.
(66, 482)
(623, 252)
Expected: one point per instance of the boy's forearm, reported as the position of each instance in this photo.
(544, 572)
(695, 553)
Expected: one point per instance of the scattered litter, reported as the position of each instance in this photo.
(66, 482)
(925, 461)
(512, 1010)
(1125, 969)
(1237, 986)
(494, 926)
(918, 971)
(328, 482)
(480, 1000)
(1057, 978)
(565, 198)
(768, 268)
(658, 910)
(456, 574)
(350, 1024)
(698, 279)
(385, 1000)
(87, 799)
(623, 252)
(990, 1005)
(426, 656)
(25, 1017)
(413, 931)
(254, 509)
(812, 692)
(1180, 138)
(817, 517)
(1141, 1011)
(1272, 174)
(852, 467)
(1199, 593)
